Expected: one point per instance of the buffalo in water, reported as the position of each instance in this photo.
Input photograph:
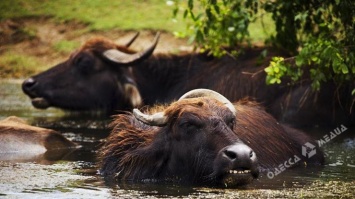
(104, 76)
(22, 142)
(201, 139)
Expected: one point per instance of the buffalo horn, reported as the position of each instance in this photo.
(157, 119)
(128, 44)
(119, 57)
(210, 93)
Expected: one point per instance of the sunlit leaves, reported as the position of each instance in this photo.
(216, 24)
(319, 33)
(279, 68)
(323, 59)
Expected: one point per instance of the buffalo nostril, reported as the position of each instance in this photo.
(230, 154)
(239, 152)
(28, 84)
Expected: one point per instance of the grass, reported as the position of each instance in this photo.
(65, 46)
(112, 14)
(262, 28)
(99, 15)
(17, 66)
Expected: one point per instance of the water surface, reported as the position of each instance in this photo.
(74, 175)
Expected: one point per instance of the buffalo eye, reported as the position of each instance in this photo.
(231, 122)
(190, 126)
(84, 62)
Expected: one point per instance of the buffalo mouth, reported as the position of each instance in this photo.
(247, 171)
(40, 103)
(238, 177)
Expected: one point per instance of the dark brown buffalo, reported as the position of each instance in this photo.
(22, 142)
(102, 75)
(200, 139)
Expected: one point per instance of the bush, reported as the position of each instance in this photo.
(319, 33)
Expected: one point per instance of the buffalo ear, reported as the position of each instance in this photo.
(132, 95)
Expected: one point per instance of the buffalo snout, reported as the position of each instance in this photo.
(28, 86)
(236, 165)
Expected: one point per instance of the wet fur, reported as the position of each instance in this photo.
(134, 149)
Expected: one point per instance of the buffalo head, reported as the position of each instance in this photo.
(95, 77)
(190, 141)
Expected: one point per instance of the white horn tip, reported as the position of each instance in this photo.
(157, 119)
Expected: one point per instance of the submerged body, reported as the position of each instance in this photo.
(22, 142)
(199, 140)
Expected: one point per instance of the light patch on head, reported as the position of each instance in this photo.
(200, 103)
(191, 105)
(132, 94)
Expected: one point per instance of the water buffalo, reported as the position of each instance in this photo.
(22, 142)
(200, 139)
(102, 75)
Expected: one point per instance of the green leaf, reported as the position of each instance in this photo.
(268, 69)
(191, 4)
(314, 58)
(185, 13)
(299, 61)
(344, 69)
(276, 69)
(275, 80)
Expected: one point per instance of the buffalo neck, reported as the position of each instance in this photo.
(162, 77)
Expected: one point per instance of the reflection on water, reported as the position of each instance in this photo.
(75, 174)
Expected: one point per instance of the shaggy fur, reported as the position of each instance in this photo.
(135, 150)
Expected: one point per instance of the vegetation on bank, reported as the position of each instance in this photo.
(98, 15)
(319, 33)
(95, 16)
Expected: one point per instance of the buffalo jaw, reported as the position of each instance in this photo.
(40, 103)
(238, 177)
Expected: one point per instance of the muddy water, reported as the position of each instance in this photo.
(74, 175)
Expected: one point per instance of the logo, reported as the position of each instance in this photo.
(309, 150)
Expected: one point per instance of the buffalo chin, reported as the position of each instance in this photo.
(238, 177)
(231, 180)
(40, 103)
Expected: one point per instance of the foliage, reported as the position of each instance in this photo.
(319, 33)
(218, 24)
(278, 68)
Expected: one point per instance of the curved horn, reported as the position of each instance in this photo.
(119, 57)
(128, 44)
(210, 93)
(157, 119)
